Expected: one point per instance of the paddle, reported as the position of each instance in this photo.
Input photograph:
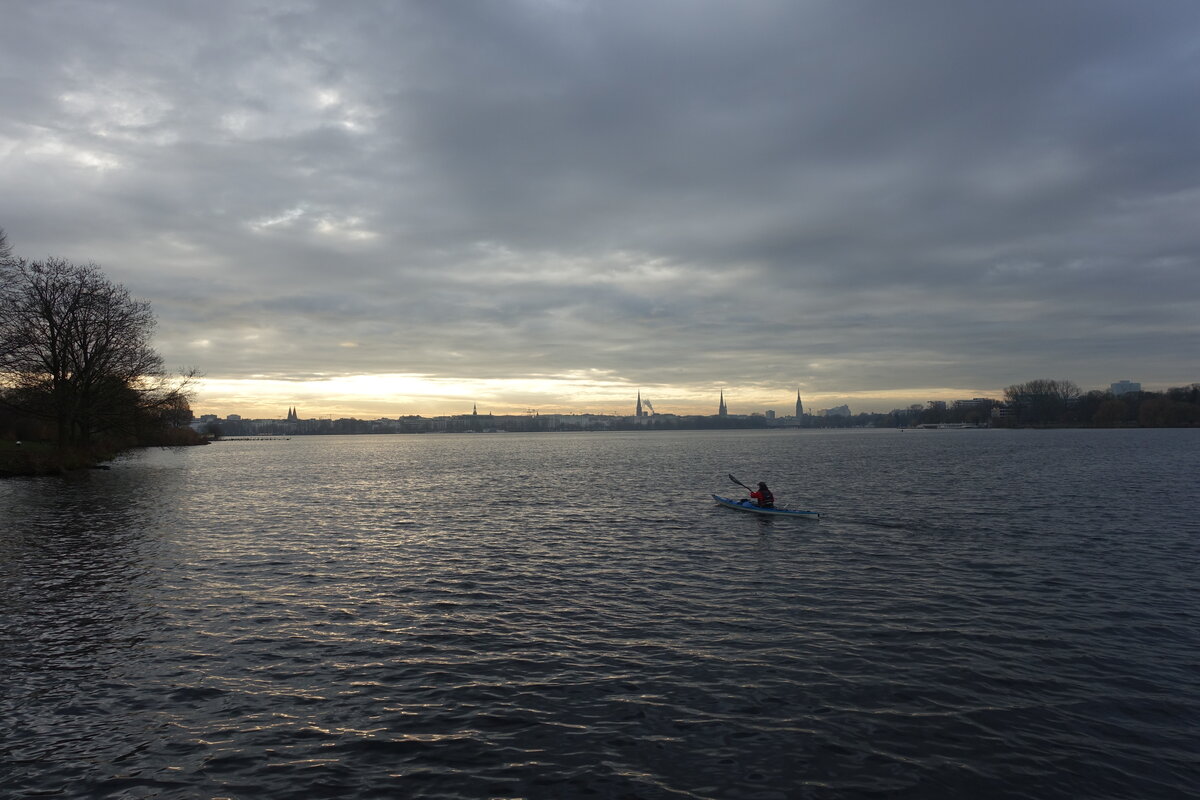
(739, 483)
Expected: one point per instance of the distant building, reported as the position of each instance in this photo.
(799, 405)
(836, 411)
(770, 414)
(1125, 387)
(292, 416)
(639, 412)
(234, 417)
(722, 411)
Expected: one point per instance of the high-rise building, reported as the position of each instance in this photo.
(1125, 387)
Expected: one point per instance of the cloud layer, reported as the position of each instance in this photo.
(554, 203)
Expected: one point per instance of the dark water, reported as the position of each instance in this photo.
(980, 614)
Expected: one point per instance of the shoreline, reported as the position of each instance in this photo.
(23, 459)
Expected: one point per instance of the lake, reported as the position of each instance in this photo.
(978, 613)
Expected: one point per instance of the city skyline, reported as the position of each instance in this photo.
(698, 404)
(377, 208)
(614, 402)
(643, 407)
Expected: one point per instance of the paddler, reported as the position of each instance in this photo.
(763, 496)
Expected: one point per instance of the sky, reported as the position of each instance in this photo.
(374, 209)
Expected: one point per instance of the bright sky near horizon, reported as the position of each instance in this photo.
(384, 208)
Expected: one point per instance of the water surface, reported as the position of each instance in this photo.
(978, 613)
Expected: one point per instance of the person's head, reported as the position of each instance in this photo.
(762, 485)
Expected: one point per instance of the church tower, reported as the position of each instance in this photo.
(639, 412)
(292, 416)
(799, 405)
(722, 411)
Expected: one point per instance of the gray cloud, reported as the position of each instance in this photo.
(908, 196)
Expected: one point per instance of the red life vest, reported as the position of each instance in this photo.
(764, 497)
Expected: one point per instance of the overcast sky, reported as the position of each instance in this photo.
(384, 208)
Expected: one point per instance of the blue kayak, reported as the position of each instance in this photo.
(749, 505)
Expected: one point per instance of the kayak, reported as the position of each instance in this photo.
(749, 505)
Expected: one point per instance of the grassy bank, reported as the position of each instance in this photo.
(44, 458)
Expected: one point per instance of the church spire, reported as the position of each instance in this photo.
(638, 413)
(799, 405)
(722, 411)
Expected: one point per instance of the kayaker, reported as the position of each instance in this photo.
(763, 496)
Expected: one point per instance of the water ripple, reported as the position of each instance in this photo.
(208, 623)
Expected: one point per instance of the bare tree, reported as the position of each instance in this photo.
(75, 349)
(1043, 400)
(6, 255)
(1068, 391)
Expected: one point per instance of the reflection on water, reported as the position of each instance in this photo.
(978, 613)
(80, 572)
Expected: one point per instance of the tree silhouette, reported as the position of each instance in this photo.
(75, 350)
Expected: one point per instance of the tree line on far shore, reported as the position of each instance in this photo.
(1047, 402)
(79, 379)
(1059, 402)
